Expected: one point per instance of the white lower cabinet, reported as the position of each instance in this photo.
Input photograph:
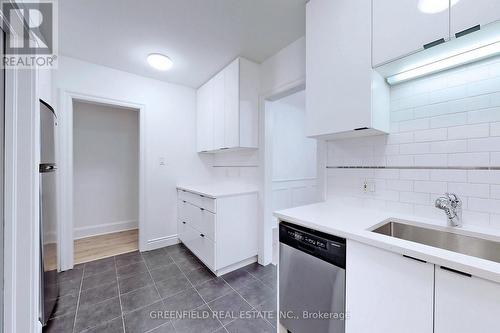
(466, 304)
(220, 231)
(387, 292)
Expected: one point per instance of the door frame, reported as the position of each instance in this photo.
(65, 164)
(265, 155)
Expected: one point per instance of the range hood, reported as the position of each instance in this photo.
(474, 46)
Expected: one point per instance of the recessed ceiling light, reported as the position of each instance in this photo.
(160, 62)
(435, 6)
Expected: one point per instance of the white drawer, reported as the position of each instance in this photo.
(201, 246)
(197, 200)
(208, 204)
(197, 218)
(192, 198)
(207, 224)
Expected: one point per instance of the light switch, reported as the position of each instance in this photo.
(162, 161)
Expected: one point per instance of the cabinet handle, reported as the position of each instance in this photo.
(202, 235)
(224, 148)
(416, 259)
(201, 195)
(455, 271)
(184, 201)
(202, 209)
(361, 128)
(183, 222)
(468, 31)
(434, 43)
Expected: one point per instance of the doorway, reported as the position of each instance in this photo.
(291, 159)
(105, 180)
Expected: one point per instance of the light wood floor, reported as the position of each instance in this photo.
(103, 246)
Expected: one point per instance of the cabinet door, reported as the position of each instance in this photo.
(401, 27)
(469, 13)
(386, 292)
(218, 104)
(204, 118)
(231, 104)
(466, 304)
(338, 66)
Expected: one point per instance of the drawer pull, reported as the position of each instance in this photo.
(201, 195)
(184, 201)
(413, 258)
(183, 222)
(455, 271)
(202, 209)
(202, 235)
(468, 31)
(434, 43)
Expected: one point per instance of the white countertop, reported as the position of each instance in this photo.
(222, 189)
(352, 222)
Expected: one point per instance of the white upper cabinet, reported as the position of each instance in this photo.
(465, 304)
(401, 27)
(205, 115)
(469, 13)
(228, 108)
(344, 96)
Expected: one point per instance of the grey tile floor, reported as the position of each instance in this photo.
(164, 291)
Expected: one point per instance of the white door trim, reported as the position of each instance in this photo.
(265, 158)
(65, 184)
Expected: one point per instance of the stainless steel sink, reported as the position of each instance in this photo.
(472, 246)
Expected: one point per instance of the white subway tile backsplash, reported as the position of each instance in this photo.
(468, 131)
(430, 186)
(414, 125)
(470, 190)
(484, 144)
(451, 146)
(495, 159)
(415, 198)
(495, 129)
(449, 175)
(484, 205)
(469, 160)
(484, 116)
(430, 135)
(447, 120)
(455, 119)
(429, 160)
(495, 192)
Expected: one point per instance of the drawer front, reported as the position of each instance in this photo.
(197, 218)
(192, 198)
(207, 225)
(205, 250)
(208, 204)
(197, 200)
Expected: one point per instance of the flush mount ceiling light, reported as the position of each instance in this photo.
(435, 6)
(160, 62)
(456, 60)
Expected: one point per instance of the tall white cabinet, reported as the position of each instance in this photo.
(228, 108)
(344, 96)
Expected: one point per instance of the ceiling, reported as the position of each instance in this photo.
(200, 36)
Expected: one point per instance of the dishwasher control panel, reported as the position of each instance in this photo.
(324, 246)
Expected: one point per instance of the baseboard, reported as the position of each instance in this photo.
(102, 229)
(157, 243)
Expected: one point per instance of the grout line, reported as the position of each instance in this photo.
(78, 301)
(119, 294)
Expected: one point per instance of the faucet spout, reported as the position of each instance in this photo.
(452, 206)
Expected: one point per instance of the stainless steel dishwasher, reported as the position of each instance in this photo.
(311, 280)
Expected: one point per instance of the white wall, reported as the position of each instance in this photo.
(447, 120)
(294, 155)
(169, 129)
(293, 159)
(105, 169)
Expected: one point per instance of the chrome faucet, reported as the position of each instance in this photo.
(452, 206)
